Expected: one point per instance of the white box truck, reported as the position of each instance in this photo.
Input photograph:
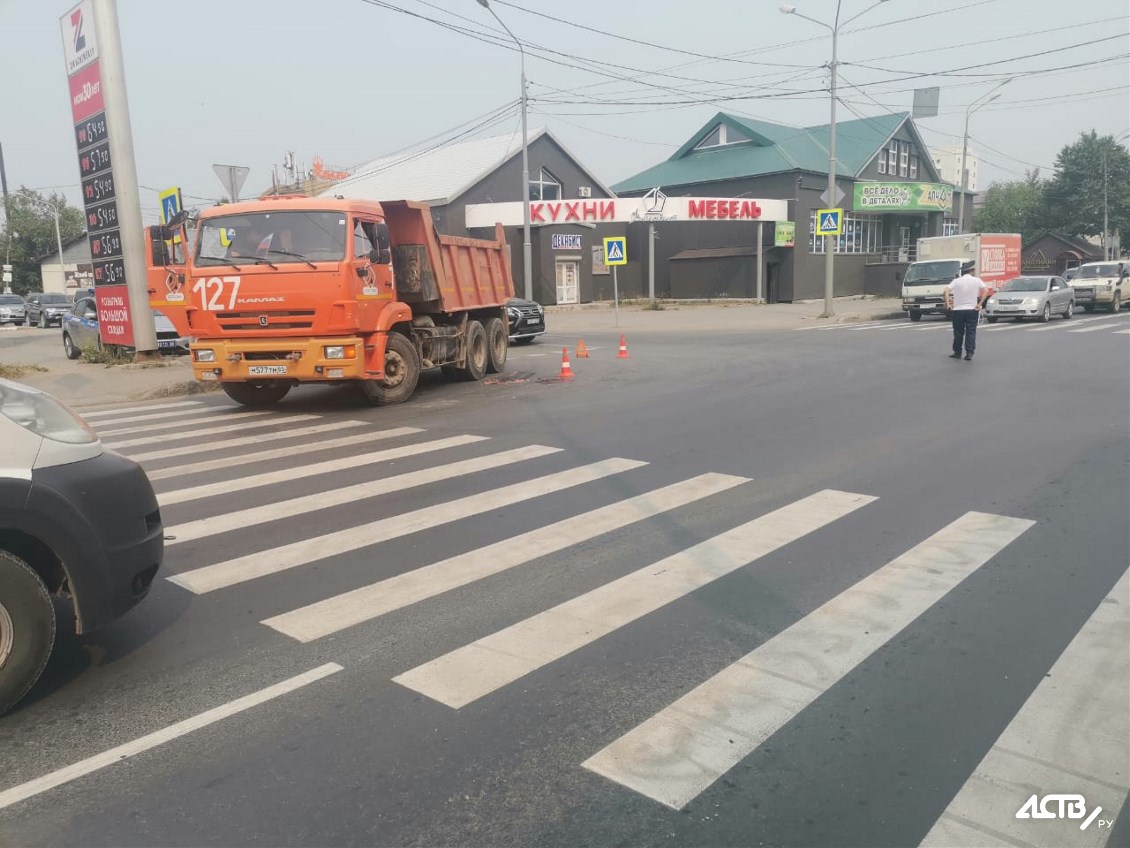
(996, 257)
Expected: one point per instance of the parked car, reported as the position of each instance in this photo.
(75, 521)
(1031, 297)
(80, 330)
(526, 319)
(12, 310)
(1105, 284)
(46, 308)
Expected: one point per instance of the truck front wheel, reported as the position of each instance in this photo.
(915, 315)
(402, 372)
(27, 629)
(256, 394)
(497, 345)
(1116, 304)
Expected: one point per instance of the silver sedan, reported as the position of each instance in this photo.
(1031, 297)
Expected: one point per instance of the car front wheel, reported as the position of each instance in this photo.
(1067, 313)
(1046, 315)
(69, 347)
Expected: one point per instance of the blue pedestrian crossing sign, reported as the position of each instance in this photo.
(616, 251)
(829, 222)
(171, 204)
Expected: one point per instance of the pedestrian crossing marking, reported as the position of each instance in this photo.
(829, 222)
(473, 671)
(682, 750)
(225, 444)
(261, 563)
(183, 414)
(298, 472)
(186, 424)
(315, 446)
(1072, 731)
(126, 410)
(208, 431)
(351, 608)
(244, 518)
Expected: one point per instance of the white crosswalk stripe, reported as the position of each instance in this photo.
(126, 410)
(1097, 327)
(209, 431)
(682, 750)
(317, 445)
(369, 602)
(182, 414)
(469, 673)
(223, 574)
(188, 424)
(212, 447)
(244, 518)
(297, 472)
(1071, 731)
(1065, 325)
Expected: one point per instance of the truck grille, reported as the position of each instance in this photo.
(293, 319)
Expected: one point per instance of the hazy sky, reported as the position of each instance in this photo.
(243, 81)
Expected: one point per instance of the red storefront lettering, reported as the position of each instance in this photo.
(608, 210)
(589, 210)
(535, 212)
(571, 213)
(696, 209)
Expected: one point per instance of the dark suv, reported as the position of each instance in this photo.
(46, 308)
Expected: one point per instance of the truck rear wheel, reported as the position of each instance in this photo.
(27, 629)
(477, 353)
(402, 373)
(256, 394)
(915, 315)
(497, 345)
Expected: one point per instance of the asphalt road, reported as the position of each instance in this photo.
(798, 587)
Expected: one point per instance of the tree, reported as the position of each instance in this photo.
(1017, 206)
(30, 234)
(1075, 193)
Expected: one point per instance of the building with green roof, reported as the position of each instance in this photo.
(892, 197)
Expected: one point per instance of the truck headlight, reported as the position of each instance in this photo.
(205, 355)
(43, 415)
(340, 351)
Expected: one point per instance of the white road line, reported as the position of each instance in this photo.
(174, 731)
(296, 472)
(1062, 325)
(935, 327)
(997, 328)
(187, 425)
(475, 670)
(208, 431)
(105, 413)
(223, 574)
(844, 326)
(346, 610)
(1115, 322)
(1122, 332)
(1071, 735)
(887, 325)
(211, 447)
(293, 450)
(244, 518)
(182, 414)
(687, 746)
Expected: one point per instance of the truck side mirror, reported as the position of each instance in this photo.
(381, 256)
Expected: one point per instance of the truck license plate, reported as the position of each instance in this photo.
(166, 343)
(266, 370)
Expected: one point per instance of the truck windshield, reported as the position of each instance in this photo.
(280, 237)
(924, 273)
(1091, 272)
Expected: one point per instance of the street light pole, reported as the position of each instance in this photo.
(527, 247)
(829, 241)
(962, 176)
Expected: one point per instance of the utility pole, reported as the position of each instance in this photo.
(962, 176)
(7, 269)
(650, 262)
(1106, 214)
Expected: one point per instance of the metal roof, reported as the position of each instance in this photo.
(772, 149)
(440, 174)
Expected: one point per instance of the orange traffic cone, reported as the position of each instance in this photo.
(566, 369)
(582, 350)
(623, 354)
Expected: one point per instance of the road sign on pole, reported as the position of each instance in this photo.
(171, 203)
(829, 222)
(232, 178)
(832, 201)
(616, 251)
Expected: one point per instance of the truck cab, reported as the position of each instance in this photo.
(1102, 284)
(924, 285)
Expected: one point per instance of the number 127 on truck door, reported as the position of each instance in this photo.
(216, 291)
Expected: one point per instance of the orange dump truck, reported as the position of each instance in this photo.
(293, 290)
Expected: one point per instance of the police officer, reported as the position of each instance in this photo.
(964, 298)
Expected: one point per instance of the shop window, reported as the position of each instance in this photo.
(949, 227)
(914, 167)
(545, 186)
